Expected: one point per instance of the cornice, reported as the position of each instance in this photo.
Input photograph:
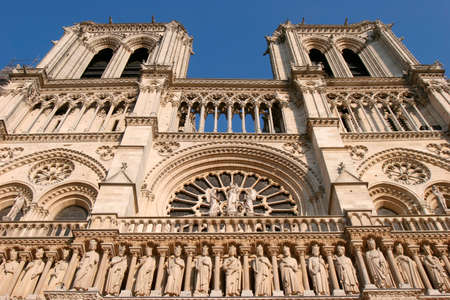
(367, 82)
(393, 136)
(229, 83)
(200, 137)
(61, 137)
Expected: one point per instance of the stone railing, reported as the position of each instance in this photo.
(414, 223)
(231, 225)
(40, 229)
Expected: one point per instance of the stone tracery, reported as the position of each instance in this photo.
(406, 171)
(51, 171)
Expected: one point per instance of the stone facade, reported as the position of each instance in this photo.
(120, 177)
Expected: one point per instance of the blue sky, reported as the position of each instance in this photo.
(228, 35)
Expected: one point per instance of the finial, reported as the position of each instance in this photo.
(340, 167)
(401, 38)
(153, 19)
(303, 20)
(110, 20)
(346, 21)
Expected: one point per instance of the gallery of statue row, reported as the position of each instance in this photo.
(232, 270)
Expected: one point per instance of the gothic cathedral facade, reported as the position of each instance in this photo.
(122, 178)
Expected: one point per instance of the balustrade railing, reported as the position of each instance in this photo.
(414, 223)
(40, 229)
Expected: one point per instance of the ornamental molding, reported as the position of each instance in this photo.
(19, 188)
(8, 153)
(230, 137)
(92, 27)
(166, 148)
(442, 149)
(402, 153)
(106, 152)
(69, 188)
(62, 137)
(297, 148)
(60, 153)
(322, 122)
(393, 136)
(230, 84)
(357, 152)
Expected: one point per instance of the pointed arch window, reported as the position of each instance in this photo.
(354, 63)
(98, 64)
(133, 66)
(318, 58)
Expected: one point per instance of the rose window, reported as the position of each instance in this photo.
(51, 171)
(406, 171)
(231, 194)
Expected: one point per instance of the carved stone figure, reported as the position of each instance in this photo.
(318, 271)
(30, 276)
(7, 271)
(87, 268)
(441, 199)
(377, 266)
(213, 200)
(56, 274)
(203, 267)
(233, 200)
(233, 270)
(144, 277)
(291, 276)
(263, 273)
(407, 268)
(175, 271)
(346, 272)
(117, 267)
(18, 205)
(250, 198)
(436, 272)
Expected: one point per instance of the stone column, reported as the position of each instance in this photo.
(190, 250)
(162, 251)
(51, 256)
(135, 253)
(357, 248)
(257, 121)
(301, 251)
(108, 250)
(217, 250)
(68, 277)
(246, 291)
(389, 244)
(274, 251)
(216, 117)
(201, 127)
(230, 117)
(24, 257)
(414, 249)
(332, 270)
(443, 252)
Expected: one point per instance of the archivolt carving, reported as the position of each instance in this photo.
(357, 152)
(166, 148)
(60, 153)
(8, 153)
(442, 149)
(137, 41)
(402, 153)
(353, 43)
(394, 198)
(296, 148)
(187, 163)
(108, 41)
(106, 152)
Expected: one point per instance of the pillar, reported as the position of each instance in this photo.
(414, 249)
(215, 118)
(135, 253)
(230, 118)
(337, 291)
(301, 251)
(68, 277)
(24, 256)
(190, 250)
(51, 256)
(274, 251)
(162, 251)
(246, 291)
(388, 244)
(357, 248)
(218, 251)
(201, 127)
(103, 267)
(257, 121)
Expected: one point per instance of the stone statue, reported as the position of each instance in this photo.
(30, 276)
(19, 204)
(441, 199)
(203, 267)
(213, 200)
(250, 198)
(144, 277)
(117, 267)
(291, 276)
(378, 267)
(346, 272)
(56, 274)
(435, 270)
(175, 271)
(233, 200)
(318, 271)
(87, 268)
(7, 271)
(407, 268)
(263, 273)
(233, 269)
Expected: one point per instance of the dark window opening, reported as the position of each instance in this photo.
(277, 115)
(98, 64)
(116, 123)
(436, 127)
(318, 58)
(383, 211)
(133, 66)
(72, 213)
(354, 63)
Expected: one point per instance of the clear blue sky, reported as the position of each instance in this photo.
(228, 35)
